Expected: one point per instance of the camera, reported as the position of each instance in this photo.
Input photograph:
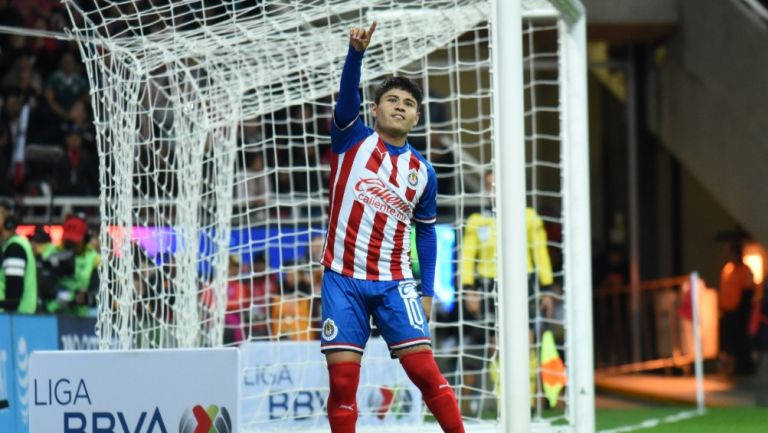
(50, 269)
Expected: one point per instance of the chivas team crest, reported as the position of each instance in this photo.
(413, 178)
(330, 330)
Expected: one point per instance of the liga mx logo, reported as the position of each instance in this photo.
(212, 420)
(395, 402)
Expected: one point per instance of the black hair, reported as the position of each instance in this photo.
(737, 248)
(40, 235)
(259, 256)
(401, 83)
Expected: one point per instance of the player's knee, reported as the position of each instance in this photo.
(343, 380)
(422, 369)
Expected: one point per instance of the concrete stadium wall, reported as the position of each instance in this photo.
(708, 103)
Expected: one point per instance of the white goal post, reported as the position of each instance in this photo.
(509, 128)
(212, 123)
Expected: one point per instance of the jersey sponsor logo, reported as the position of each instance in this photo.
(413, 178)
(330, 330)
(374, 192)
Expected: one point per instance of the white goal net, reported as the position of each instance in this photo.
(213, 126)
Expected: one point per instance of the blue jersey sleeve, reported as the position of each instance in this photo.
(426, 246)
(426, 208)
(347, 128)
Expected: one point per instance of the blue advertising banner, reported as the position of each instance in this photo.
(78, 333)
(28, 333)
(141, 391)
(285, 387)
(7, 375)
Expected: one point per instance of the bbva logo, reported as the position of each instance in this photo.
(214, 419)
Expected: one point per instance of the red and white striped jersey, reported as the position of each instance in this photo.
(376, 190)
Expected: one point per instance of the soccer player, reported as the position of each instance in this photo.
(379, 187)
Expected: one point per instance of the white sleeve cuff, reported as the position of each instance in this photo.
(346, 127)
(426, 221)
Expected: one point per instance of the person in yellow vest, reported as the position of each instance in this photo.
(75, 291)
(478, 278)
(18, 274)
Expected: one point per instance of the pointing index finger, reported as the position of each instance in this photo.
(372, 29)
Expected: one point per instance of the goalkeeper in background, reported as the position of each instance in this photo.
(379, 187)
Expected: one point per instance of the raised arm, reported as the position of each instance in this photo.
(348, 105)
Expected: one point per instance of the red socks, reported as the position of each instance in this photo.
(342, 401)
(438, 395)
(420, 368)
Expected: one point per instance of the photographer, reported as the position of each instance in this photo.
(18, 276)
(75, 263)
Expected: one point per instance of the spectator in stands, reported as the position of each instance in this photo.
(292, 309)
(737, 293)
(238, 301)
(151, 309)
(163, 287)
(44, 50)
(23, 76)
(65, 87)
(26, 87)
(78, 173)
(441, 155)
(251, 134)
(443, 160)
(304, 127)
(252, 189)
(436, 113)
(80, 121)
(33, 154)
(142, 269)
(42, 148)
(76, 291)
(18, 274)
(262, 287)
(15, 121)
(158, 118)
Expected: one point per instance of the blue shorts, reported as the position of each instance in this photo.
(348, 304)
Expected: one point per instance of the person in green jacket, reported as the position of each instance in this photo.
(18, 273)
(75, 291)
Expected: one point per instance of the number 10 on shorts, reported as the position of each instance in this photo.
(410, 297)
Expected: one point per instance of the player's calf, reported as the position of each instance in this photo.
(342, 403)
(422, 369)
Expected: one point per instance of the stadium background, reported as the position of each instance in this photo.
(663, 85)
